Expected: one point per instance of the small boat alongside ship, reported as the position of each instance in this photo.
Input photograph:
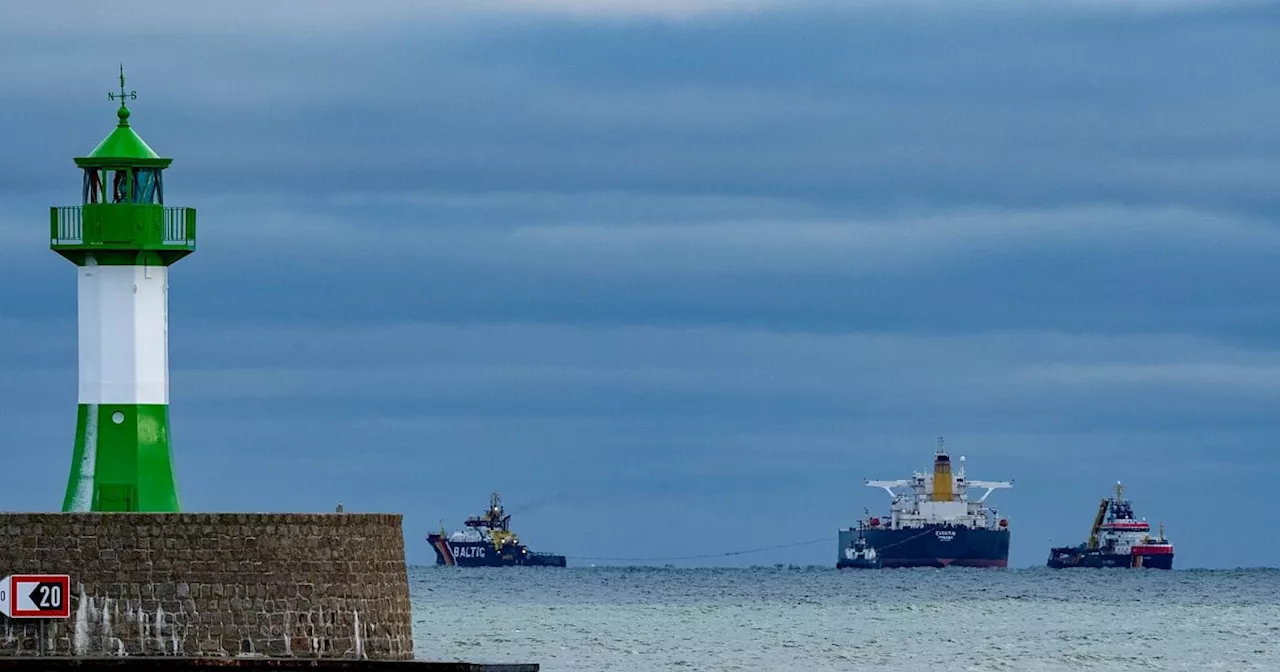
(488, 541)
(859, 555)
(933, 523)
(1116, 539)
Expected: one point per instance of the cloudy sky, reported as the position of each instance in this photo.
(677, 275)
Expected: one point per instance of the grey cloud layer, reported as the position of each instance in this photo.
(877, 107)
(652, 265)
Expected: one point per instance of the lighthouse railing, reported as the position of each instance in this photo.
(179, 226)
(122, 226)
(66, 226)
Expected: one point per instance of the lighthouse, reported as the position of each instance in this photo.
(122, 238)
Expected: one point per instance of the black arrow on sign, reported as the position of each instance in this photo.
(47, 595)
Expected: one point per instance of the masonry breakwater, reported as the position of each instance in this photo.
(285, 585)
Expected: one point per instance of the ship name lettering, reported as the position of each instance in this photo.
(467, 551)
(945, 535)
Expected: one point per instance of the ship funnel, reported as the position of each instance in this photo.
(943, 483)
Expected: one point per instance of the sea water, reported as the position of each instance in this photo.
(636, 620)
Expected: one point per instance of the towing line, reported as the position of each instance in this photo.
(707, 555)
(914, 536)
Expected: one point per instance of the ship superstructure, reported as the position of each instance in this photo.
(933, 523)
(487, 541)
(1116, 539)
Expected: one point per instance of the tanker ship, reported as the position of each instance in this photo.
(488, 541)
(933, 523)
(1116, 540)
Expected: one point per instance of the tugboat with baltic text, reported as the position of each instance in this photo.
(1116, 540)
(488, 541)
(933, 523)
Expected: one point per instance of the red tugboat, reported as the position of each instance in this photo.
(1116, 540)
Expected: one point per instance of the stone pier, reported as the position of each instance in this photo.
(281, 585)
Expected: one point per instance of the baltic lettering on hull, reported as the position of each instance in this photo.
(467, 551)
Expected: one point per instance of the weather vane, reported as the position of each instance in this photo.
(131, 95)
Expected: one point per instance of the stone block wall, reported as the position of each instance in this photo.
(215, 584)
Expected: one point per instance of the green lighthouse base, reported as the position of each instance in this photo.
(122, 460)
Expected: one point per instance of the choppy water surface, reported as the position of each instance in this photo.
(635, 620)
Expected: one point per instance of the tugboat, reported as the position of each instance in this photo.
(859, 555)
(1116, 540)
(933, 523)
(488, 542)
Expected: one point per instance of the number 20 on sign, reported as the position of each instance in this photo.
(35, 596)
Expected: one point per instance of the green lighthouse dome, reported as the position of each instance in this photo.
(123, 147)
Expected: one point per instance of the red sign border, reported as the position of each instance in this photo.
(62, 579)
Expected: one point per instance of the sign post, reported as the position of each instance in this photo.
(36, 596)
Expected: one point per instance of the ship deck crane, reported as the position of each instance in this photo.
(1097, 523)
(889, 485)
(990, 486)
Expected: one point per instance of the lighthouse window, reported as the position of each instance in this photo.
(131, 185)
(146, 186)
(120, 186)
(94, 189)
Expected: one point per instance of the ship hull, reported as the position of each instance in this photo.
(934, 546)
(483, 554)
(1066, 558)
